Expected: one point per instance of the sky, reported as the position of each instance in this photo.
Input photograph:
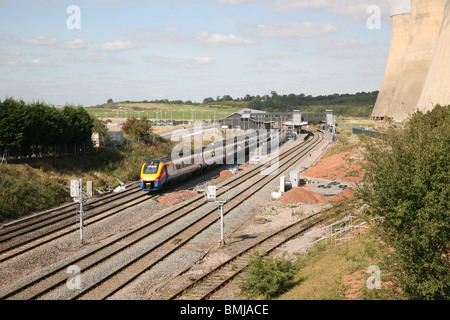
(84, 52)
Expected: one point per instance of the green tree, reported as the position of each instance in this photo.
(79, 125)
(407, 182)
(137, 129)
(43, 125)
(12, 125)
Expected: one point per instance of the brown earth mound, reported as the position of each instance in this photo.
(225, 174)
(300, 195)
(173, 198)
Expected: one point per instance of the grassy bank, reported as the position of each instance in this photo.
(24, 190)
(340, 273)
(41, 184)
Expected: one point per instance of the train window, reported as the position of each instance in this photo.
(151, 168)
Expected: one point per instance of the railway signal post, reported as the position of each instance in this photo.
(76, 192)
(212, 195)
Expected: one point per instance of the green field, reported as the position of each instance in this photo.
(357, 122)
(162, 111)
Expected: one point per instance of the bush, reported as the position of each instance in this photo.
(267, 276)
(22, 191)
(137, 129)
(407, 182)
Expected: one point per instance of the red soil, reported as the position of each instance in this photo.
(226, 174)
(335, 167)
(173, 198)
(301, 195)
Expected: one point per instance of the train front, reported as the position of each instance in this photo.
(151, 176)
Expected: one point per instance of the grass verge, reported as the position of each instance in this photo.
(340, 273)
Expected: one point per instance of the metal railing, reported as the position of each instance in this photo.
(341, 230)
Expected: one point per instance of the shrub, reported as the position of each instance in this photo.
(267, 276)
(407, 182)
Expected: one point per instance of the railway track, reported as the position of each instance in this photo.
(118, 277)
(25, 236)
(8, 232)
(203, 287)
(20, 238)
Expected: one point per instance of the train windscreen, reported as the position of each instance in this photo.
(151, 168)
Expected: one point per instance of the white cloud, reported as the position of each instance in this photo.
(275, 56)
(354, 9)
(339, 45)
(216, 40)
(181, 62)
(36, 62)
(96, 57)
(9, 54)
(291, 30)
(10, 59)
(43, 41)
(400, 6)
(73, 45)
(117, 45)
(154, 35)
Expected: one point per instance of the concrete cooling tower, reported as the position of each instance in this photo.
(400, 35)
(436, 89)
(426, 21)
(418, 64)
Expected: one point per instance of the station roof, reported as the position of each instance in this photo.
(245, 110)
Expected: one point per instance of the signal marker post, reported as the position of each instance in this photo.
(76, 192)
(211, 196)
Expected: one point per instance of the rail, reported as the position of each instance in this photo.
(37, 287)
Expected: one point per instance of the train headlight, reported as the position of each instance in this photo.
(157, 180)
(142, 181)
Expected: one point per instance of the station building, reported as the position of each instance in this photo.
(295, 121)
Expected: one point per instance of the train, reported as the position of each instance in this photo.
(157, 174)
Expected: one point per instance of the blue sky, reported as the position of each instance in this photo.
(191, 49)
